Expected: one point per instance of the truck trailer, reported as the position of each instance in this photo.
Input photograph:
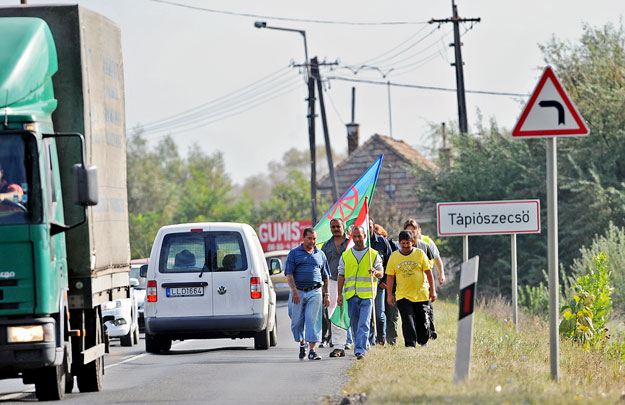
(64, 242)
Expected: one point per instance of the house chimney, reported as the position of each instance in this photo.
(352, 128)
(352, 137)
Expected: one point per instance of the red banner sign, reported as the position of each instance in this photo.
(281, 235)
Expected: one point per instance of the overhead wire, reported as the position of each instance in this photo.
(416, 86)
(257, 85)
(306, 20)
(227, 110)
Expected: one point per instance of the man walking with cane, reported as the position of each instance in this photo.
(357, 268)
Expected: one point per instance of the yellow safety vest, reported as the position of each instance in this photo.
(357, 276)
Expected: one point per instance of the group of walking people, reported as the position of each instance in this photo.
(395, 278)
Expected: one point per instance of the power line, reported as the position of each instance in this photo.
(306, 20)
(416, 86)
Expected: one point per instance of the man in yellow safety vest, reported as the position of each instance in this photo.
(355, 270)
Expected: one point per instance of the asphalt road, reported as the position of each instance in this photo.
(209, 371)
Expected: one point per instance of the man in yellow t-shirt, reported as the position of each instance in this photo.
(415, 289)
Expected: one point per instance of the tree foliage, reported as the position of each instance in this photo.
(489, 165)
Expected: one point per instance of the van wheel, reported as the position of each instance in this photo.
(156, 344)
(262, 339)
(273, 338)
(151, 344)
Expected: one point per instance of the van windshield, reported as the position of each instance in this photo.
(212, 251)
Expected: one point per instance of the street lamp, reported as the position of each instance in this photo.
(311, 118)
(263, 24)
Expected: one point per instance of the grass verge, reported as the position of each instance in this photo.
(509, 365)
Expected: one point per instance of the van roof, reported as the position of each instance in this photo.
(207, 226)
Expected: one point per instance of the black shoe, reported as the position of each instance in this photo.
(302, 352)
(337, 353)
(313, 356)
(359, 356)
(433, 335)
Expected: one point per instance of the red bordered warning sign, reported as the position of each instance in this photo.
(549, 112)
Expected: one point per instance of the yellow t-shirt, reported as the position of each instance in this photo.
(409, 271)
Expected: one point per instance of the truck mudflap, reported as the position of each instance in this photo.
(26, 355)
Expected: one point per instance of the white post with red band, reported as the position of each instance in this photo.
(464, 341)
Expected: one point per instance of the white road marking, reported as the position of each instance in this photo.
(138, 356)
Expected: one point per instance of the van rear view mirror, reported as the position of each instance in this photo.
(143, 271)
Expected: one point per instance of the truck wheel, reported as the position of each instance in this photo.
(50, 383)
(89, 376)
(261, 340)
(126, 340)
(273, 338)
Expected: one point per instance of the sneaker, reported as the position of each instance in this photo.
(322, 345)
(433, 335)
(313, 356)
(382, 342)
(348, 347)
(337, 353)
(302, 351)
(359, 356)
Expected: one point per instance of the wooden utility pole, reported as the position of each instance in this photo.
(462, 105)
(315, 73)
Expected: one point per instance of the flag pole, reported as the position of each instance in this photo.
(373, 283)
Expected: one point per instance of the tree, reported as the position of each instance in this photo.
(489, 165)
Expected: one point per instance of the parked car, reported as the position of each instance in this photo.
(121, 318)
(205, 281)
(138, 270)
(276, 260)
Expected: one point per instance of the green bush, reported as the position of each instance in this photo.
(613, 245)
(535, 299)
(585, 313)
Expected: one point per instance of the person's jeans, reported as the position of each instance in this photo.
(380, 318)
(360, 317)
(392, 316)
(306, 316)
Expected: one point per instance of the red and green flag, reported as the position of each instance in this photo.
(349, 205)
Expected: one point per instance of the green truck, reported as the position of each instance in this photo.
(64, 243)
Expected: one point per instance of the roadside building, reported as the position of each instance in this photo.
(395, 198)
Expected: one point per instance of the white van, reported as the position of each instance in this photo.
(205, 281)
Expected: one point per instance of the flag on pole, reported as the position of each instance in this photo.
(350, 204)
(361, 220)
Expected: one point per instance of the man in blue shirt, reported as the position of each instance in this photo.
(307, 273)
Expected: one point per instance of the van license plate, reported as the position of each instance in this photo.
(185, 291)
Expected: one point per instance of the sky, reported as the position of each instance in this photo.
(200, 71)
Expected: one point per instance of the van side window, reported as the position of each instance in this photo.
(230, 252)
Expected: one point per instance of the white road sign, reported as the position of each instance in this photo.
(488, 217)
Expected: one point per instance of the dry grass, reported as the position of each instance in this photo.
(515, 360)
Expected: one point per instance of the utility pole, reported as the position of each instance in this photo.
(311, 141)
(462, 105)
(314, 69)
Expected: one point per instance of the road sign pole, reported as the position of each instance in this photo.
(465, 248)
(552, 257)
(515, 308)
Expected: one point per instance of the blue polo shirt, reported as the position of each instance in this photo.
(308, 269)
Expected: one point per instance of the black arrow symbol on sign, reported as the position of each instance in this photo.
(556, 104)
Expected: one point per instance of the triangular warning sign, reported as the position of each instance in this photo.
(549, 112)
